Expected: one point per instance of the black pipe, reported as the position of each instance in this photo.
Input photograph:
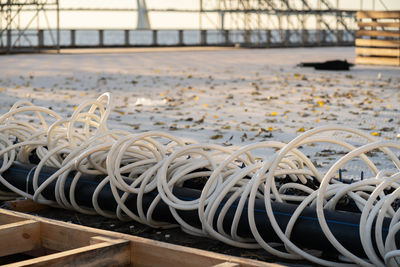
(306, 233)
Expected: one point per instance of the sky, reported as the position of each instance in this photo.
(171, 20)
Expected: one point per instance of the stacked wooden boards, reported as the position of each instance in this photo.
(54, 243)
(378, 38)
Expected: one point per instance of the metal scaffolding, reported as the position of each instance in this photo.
(16, 20)
(26, 26)
(289, 18)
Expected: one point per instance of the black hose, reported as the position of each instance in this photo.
(306, 233)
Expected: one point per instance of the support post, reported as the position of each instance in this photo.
(8, 21)
(203, 37)
(323, 37)
(227, 39)
(73, 40)
(58, 26)
(126, 37)
(40, 39)
(180, 37)
(287, 37)
(101, 38)
(304, 36)
(268, 37)
(155, 42)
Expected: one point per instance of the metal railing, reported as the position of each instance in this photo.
(99, 38)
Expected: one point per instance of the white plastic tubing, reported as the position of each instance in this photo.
(158, 161)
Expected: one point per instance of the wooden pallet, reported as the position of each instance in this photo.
(55, 243)
(378, 38)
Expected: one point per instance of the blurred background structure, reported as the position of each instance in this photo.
(27, 25)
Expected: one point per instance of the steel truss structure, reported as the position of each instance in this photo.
(16, 20)
(288, 17)
(255, 22)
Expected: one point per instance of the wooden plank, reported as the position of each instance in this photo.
(374, 33)
(101, 239)
(378, 14)
(144, 252)
(19, 237)
(377, 43)
(377, 61)
(388, 52)
(58, 237)
(227, 264)
(98, 255)
(362, 24)
(25, 205)
(7, 218)
(148, 253)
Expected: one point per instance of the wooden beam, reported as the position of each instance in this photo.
(101, 239)
(154, 253)
(374, 33)
(362, 24)
(227, 264)
(388, 52)
(377, 61)
(25, 205)
(59, 235)
(8, 218)
(97, 255)
(378, 14)
(19, 237)
(377, 43)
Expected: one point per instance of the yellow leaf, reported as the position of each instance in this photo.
(321, 103)
(376, 134)
(196, 98)
(274, 113)
(217, 136)
(205, 105)
(75, 108)
(270, 128)
(215, 116)
(301, 129)
(161, 94)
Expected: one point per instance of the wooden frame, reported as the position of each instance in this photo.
(378, 39)
(76, 245)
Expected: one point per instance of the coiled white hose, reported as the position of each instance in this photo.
(158, 162)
